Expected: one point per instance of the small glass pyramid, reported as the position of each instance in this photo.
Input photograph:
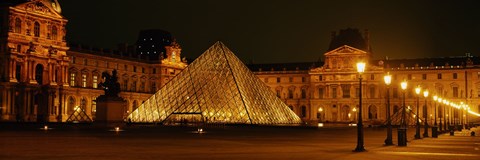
(215, 88)
(79, 116)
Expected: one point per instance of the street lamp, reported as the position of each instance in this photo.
(425, 131)
(320, 110)
(434, 128)
(388, 81)
(417, 117)
(402, 130)
(360, 148)
(443, 116)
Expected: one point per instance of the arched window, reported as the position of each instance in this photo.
(346, 113)
(71, 105)
(83, 103)
(154, 87)
(304, 111)
(18, 25)
(372, 112)
(36, 29)
(304, 93)
(54, 32)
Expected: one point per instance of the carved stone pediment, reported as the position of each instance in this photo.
(41, 7)
(345, 49)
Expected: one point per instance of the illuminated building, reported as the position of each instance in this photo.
(43, 79)
(328, 91)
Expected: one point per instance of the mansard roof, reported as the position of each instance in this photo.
(303, 66)
(351, 37)
(440, 61)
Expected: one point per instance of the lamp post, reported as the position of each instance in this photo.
(417, 117)
(425, 131)
(445, 120)
(320, 110)
(443, 116)
(360, 148)
(402, 130)
(388, 81)
(435, 127)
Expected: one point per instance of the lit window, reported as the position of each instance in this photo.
(36, 29)
(84, 80)
(139, 46)
(94, 105)
(95, 81)
(72, 79)
(153, 45)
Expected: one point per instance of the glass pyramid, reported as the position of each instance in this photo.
(215, 88)
(79, 116)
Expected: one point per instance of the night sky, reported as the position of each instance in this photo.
(275, 31)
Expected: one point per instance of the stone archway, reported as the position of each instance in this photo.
(39, 74)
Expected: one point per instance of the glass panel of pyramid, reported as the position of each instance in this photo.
(218, 88)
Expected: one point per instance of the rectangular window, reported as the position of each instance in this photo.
(154, 87)
(409, 77)
(95, 81)
(290, 79)
(134, 68)
(372, 77)
(94, 105)
(142, 86)
(290, 94)
(72, 79)
(455, 92)
(125, 67)
(439, 76)
(278, 93)
(143, 70)
(334, 92)
(84, 80)
(346, 90)
(320, 78)
(304, 79)
(320, 93)
(85, 61)
(278, 79)
(424, 76)
(454, 75)
(154, 71)
(372, 92)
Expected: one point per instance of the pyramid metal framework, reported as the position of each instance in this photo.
(218, 88)
(79, 116)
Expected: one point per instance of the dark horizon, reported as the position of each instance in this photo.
(281, 31)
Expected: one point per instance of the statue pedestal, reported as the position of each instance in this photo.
(110, 110)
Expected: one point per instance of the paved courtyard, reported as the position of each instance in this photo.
(28, 141)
